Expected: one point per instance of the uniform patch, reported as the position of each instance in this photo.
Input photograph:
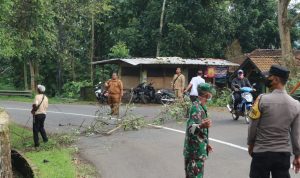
(255, 112)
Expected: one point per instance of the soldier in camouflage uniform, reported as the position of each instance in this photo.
(196, 146)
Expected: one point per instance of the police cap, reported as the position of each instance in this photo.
(278, 71)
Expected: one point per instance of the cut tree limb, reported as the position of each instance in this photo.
(115, 129)
(5, 153)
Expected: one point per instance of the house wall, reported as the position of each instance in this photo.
(160, 75)
(161, 82)
(130, 81)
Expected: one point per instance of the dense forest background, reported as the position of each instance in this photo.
(54, 42)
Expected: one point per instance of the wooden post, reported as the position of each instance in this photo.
(120, 71)
(5, 154)
(143, 75)
(185, 72)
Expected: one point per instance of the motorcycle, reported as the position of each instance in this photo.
(100, 93)
(144, 93)
(244, 106)
(165, 97)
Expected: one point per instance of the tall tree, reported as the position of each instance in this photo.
(161, 27)
(285, 25)
(255, 24)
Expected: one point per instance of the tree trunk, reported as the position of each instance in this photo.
(161, 28)
(284, 33)
(92, 49)
(59, 75)
(32, 75)
(25, 76)
(36, 72)
(5, 151)
(73, 68)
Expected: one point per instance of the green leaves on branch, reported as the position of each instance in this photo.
(119, 50)
(72, 89)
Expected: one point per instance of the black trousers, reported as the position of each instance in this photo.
(266, 163)
(237, 99)
(193, 98)
(38, 127)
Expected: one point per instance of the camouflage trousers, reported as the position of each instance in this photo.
(194, 168)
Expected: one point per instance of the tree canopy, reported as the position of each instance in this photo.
(53, 42)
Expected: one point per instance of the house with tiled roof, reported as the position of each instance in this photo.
(259, 61)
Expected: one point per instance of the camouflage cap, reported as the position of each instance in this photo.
(205, 87)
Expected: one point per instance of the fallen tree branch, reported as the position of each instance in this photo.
(113, 130)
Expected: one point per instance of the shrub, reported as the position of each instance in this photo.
(221, 98)
(292, 82)
(72, 89)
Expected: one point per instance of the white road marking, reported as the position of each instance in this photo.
(212, 139)
(55, 112)
(161, 127)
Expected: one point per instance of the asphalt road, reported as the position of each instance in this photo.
(149, 152)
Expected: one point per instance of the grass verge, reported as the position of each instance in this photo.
(53, 100)
(54, 159)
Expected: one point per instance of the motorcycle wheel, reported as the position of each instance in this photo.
(246, 114)
(165, 100)
(143, 99)
(135, 99)
(235, 116)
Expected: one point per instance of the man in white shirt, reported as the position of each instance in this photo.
(40, 105)
(194, 84)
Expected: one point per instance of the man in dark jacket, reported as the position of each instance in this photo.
(237, 83)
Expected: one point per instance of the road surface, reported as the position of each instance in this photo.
(149, 152)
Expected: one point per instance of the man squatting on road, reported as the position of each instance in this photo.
(114, 87)
(196, 146)
(275, 117)
(39, 116)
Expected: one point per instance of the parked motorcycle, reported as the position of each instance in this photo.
(168, 97)
(244, 106)
(100, 93)
(144, 93)
(165, 96)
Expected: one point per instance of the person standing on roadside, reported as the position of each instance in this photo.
(196, 145)
(178, 84)
(115, 93)
(39, 111)
(275, 123)
(194, 84)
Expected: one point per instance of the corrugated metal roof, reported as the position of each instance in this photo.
(170, 60)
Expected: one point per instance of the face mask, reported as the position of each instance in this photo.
(209, 98)
(268, 83)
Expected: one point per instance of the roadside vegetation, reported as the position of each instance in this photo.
(71, 94)
(56, 158)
